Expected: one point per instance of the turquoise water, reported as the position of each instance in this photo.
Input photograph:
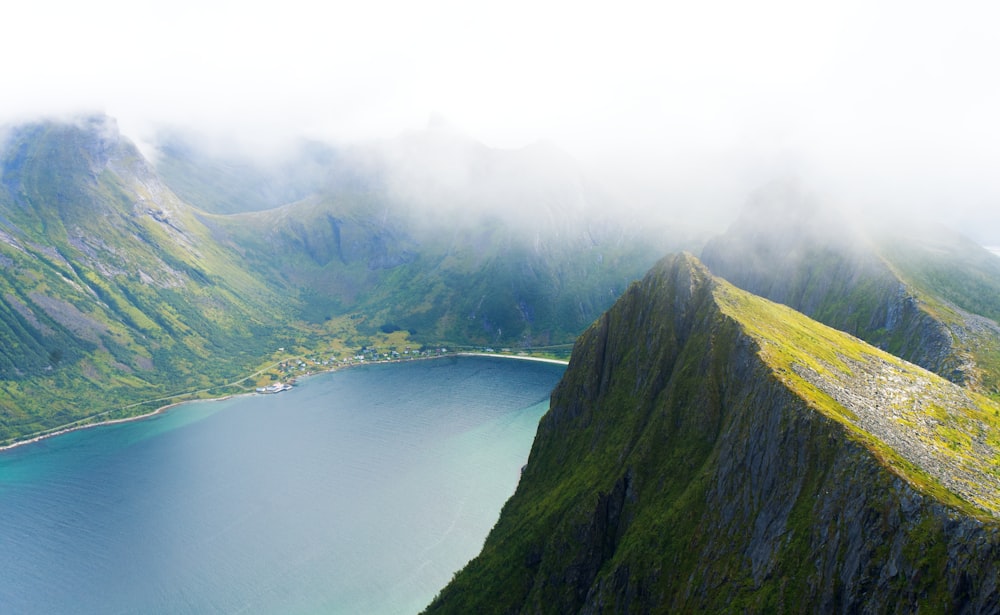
(357, 492)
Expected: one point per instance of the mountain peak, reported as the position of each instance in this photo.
(710, 450)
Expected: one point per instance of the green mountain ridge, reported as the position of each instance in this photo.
(709, 450)
(493, 286)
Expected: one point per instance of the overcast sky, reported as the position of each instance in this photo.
(888, 103)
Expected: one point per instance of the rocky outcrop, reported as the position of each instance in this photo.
(684, 468)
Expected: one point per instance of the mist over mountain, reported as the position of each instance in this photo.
(222, 178)
(701, 432)
(117, 290)
(501, 247)
(921, 291)
(442, 175)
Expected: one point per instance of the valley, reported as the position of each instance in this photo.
(803, 417)
(118, 292)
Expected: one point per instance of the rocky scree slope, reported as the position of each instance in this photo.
(708, 450)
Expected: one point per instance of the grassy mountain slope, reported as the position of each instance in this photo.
(112, 289)
(708, 450)
(928, 296)
(957, 282)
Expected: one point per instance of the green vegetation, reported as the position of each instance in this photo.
(704, 453)
(487, 286)
(118, 296)
(113, 292)
(789, 342)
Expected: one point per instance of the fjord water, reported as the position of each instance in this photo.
(360, 491)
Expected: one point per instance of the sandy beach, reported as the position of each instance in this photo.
(511, 356)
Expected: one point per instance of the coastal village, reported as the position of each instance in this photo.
(284, 373)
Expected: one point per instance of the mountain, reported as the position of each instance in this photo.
(118, 295)
(487, 284)
(924, 293)
(709, 450)
(113, 291)
(441, 236)
(223, 177)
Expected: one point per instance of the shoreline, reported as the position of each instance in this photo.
(59, 431)
(511, 356)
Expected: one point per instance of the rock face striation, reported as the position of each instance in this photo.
(708, 450)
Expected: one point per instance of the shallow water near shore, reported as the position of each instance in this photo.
(357, 492)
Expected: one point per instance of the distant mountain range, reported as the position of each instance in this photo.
(124, 282)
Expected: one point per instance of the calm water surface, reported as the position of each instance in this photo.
(356, 492)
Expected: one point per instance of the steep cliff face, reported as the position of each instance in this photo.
(929, 301)
(705, 451)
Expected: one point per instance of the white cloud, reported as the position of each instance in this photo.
(892, 102)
